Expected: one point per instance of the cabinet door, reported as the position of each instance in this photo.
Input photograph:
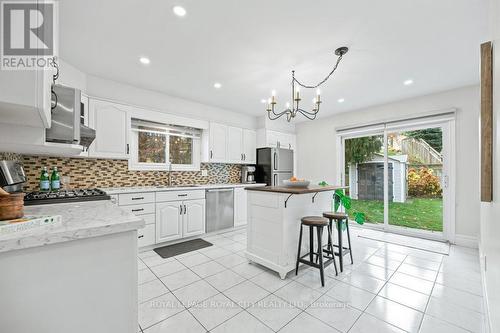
(194, 217)
(218, 143)
(235, 145)
(249, 146)
(272, 139)
(111, 123)
(240, 206)
(168, 221)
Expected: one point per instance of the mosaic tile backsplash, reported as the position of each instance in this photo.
(91, 172)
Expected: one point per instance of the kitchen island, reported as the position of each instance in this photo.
(274, 214)
(78, 276)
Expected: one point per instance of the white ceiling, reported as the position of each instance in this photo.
(251, 47)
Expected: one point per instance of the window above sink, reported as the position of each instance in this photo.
(154, 146)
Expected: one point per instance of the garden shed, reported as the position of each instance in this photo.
(366, 180)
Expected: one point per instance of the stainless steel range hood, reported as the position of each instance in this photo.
(66, 126)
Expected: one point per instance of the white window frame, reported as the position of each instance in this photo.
(135, 165)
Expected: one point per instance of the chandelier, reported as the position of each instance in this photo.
(291, 111)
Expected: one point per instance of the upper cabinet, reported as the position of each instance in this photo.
(274, 139)
(229, 144)
(25, 97)
(111, 123)
(234, 144)
(249, 146)
(217, 150)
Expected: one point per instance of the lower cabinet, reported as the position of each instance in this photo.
(194, 218)
(179, 219)
(146, 235)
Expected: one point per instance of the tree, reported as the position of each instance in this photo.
(359, 150)
(433, 136)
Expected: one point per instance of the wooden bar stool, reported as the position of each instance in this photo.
(319, 223)
(339, 217)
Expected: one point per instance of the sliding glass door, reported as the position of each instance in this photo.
(364, 174)
(398, 175)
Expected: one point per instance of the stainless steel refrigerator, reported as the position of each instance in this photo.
(274, 165)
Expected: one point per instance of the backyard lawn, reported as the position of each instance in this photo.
(420, 213)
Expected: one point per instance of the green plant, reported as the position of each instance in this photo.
(423, 183)
(340, 198)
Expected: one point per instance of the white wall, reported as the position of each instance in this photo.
(316, 142)
(124, 93)
(489, 245)
(157, 101)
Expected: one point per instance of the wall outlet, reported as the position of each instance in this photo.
(204, 173)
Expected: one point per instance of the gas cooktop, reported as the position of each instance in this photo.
(62, 196)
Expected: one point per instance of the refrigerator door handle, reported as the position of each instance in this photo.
(275, 160)
(275, 180)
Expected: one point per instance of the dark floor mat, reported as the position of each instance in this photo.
(180, 248)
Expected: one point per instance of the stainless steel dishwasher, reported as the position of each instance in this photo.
(220, 209)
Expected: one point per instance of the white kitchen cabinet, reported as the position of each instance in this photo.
(169, 221)
(240, 207)
(249, 146)
(229, 144)
(146, 235)
(179, 219)
(193, 218)
(274, 139)
(234, 145)
(111, 123)
(218, 143)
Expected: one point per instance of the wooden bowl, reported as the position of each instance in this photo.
(11, 206)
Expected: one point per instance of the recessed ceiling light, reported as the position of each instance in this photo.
(217, 85)
(144, 60)
(179, 11)
(341, 100)
(408, 82)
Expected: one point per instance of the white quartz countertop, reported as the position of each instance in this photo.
(123, 190)
(79, 220)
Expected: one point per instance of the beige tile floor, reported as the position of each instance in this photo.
(390, 288)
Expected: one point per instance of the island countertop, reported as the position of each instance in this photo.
(79, 220)
(297, 190)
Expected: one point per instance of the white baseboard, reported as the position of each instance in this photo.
(467, 241)
(487, 321)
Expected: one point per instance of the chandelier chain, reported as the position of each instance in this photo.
(321, 82)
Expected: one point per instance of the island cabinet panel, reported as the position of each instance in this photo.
(168, 221)
(273, 227)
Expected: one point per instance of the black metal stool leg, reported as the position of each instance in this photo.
(311, 244)
(320, 255)
(330, 247)
(298, 251)
(341, 246)
(349, 239)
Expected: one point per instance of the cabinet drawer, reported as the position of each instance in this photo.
(146, 235)
(136, 198)
(142, 209)
(149, 218)
(180, 195)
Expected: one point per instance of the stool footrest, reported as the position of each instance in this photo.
(315, 265)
